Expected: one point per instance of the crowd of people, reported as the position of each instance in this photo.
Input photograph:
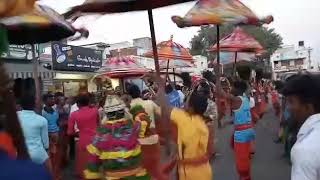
(166, 132)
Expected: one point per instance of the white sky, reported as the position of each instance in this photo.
(295, 20)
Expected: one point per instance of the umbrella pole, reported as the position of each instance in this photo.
(167, 75)
(218, 50)
(218, 75)
(235, 64)
(154, 43)
(174, 76)
(36, 80)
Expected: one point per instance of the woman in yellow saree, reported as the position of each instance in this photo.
(193, 135)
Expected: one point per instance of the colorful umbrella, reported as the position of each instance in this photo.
(219, 12)
(40, 25)
(238, 41)
(121, 67)
(170, 50)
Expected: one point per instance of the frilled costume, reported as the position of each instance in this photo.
(115, 152)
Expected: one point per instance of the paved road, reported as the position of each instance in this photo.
(267, 163)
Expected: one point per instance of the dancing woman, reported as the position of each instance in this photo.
(192, 157)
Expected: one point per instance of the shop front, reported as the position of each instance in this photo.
(74, 67)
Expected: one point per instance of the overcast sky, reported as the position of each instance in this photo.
(295, 20)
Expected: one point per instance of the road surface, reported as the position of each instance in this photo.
(267, 163)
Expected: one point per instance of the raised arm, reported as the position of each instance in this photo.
(235, 101)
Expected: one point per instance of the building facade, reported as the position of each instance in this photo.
(291, 60)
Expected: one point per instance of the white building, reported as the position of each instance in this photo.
(291, 59)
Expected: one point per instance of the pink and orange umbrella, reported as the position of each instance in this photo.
(220, 12)
(39, 25)
(173, 54)
(238, 41)
(121, 67)
(170, 50)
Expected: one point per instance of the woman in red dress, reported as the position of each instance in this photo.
(86, 119)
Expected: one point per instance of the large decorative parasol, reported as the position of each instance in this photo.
(173, 54)
(220, 12)
(238, 41)
(121, 67)
(170, 50)
(40, 25)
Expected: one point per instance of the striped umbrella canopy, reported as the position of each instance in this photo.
(170, 50)
(40, 25)
(220, 12)
(121, 67)
(238, 41)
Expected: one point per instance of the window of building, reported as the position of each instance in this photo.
(298, 62)
(284, 63)
(291, 63)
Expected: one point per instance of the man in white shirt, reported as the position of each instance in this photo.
(303, 98)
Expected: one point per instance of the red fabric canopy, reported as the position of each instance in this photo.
(120, 67)
(170, 50)
(238, 41)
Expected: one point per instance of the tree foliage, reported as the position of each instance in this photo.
(206, 37)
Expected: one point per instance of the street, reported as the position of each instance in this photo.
(267, 163)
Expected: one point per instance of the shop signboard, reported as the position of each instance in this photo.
(75, 58)
(23, 52)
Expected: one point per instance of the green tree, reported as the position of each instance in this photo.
(206, 37)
